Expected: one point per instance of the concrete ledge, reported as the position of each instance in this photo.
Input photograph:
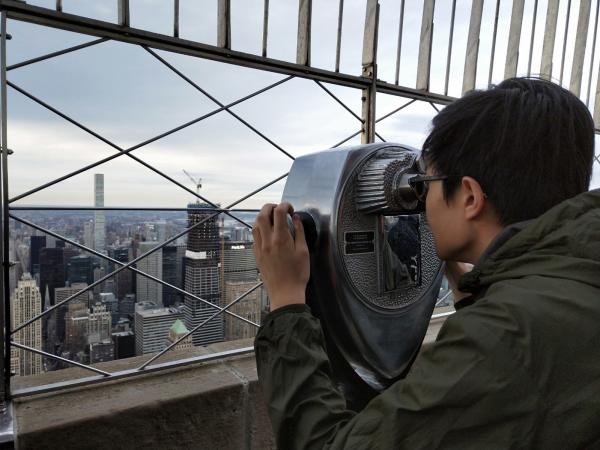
(212, 405)
(215, 405)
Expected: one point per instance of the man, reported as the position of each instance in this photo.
(518, 365)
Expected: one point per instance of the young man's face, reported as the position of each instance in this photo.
(446, 221)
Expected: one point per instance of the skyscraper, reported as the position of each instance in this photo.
(26, 303)
(80, 269)
(202, 277)
(171, 267)
(149, 290)
(52, 270)
(152, 328)
(99, 223)
(36, 244)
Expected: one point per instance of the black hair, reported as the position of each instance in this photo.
(528, 142)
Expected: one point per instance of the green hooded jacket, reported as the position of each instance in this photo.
(519, 367)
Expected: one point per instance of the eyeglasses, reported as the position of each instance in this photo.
(420, 184)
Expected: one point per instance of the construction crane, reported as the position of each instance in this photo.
(197, 182)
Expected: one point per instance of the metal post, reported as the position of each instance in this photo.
(549, 38)
(304, 26)
(470, 73)
(4, 242)
(583, 22)
(123, 13)
(224, 24)
(369, 70)
(424, 62)
(514, 38)
(175, 18)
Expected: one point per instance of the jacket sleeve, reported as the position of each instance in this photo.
(467, 390)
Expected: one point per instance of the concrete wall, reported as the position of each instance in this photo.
(216, 405)
(212, 405)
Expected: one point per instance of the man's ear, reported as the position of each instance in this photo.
(473, 198)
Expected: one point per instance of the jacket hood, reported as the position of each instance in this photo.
(564, 242)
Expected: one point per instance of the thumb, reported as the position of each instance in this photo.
(300, 238)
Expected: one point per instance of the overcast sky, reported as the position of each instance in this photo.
(123, 93)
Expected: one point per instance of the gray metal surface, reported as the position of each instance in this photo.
(376, 332)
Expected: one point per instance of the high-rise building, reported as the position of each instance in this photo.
(102, 351)
(76, 307)
(152, 328)
(249, 308)
(124, 343)
(239, 261)
(99, 324)
(149, 290)
(202, 275)
(124, 279)
(127, 305)
(177, 331)
(37, 243)
(88, 234)
(26, 303)
(52, 270)
(111, 303)
(172, 274)
(99, 223)
(80, 269)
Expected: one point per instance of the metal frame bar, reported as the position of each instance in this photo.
(87, 381)
(494, 36)
(470, 71)
(549, 38)
(583, 22)
(148, 141)
(450, 42)
(43, 16)
(593, 56)
(399, 47)
(338, 45)
(535, 8)
(424, 60)
(514, 39)
(564, 49)
(5, 318)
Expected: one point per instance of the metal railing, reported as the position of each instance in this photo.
(367, 82)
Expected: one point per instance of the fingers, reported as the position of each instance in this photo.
(279, 218)
(300, 238)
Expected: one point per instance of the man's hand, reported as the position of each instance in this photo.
(283, 262)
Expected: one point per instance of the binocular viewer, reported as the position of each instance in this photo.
(375, 276)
